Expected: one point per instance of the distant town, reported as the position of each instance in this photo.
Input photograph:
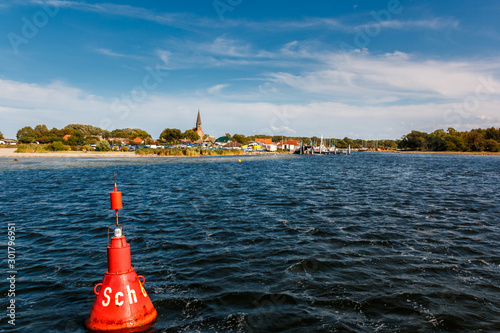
(79, 137)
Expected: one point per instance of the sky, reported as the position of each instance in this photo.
(362, 69)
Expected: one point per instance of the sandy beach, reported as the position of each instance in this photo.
(10, 152)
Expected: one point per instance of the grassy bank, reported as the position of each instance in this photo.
(187, 152)
(32, 148)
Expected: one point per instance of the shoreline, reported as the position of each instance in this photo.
(10, 152)
(483, 153)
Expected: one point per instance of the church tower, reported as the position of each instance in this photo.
(198, 122)
(198, 129)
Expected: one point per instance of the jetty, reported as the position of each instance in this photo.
(321, 149)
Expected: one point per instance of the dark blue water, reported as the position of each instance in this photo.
(361, 243)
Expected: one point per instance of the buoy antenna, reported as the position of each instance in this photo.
(116, 200)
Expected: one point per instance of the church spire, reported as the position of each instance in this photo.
(198, 121)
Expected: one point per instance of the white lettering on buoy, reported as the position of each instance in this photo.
(130, 293)
(132, 297)
(107, 290)
(116, 298)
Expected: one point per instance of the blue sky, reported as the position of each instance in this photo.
(362, 69)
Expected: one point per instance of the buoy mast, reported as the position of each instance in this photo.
(116, 201)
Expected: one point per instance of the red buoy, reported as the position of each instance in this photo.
(122, 301)
(116, 200)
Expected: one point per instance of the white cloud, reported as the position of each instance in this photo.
(217, 88)
(227, 47)
(109, 52)
(119, 10)
(58, 104)
(437, 23)
(397, 74)
(55, 104)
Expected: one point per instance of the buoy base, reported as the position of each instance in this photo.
(121, 303)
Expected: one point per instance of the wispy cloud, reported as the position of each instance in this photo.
(228, 47)
(190, 21)
(394, 74)
(109, 53)
(217, 88)
(118, 10)
(437, 23)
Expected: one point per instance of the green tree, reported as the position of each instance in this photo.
(130, 133)
(1, 135)
(90, 140)
(348, 141)
(26, 135)
(339, 143)
(140, 133)
(475, 140)
(240, 138)
(413, 141)
(87, 148)
(103, 145)
(41, 129)
(191, 135)
(454, 141)
(57, 145)
(275, 138)
(493, 133)
(86, 130)
(436, 141)
(75, 139)
(492, 145)
(149, 141)
(171, 135)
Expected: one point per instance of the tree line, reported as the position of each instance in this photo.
(453, 140)
(439, 140)
(78, 134)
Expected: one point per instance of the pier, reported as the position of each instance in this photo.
(321, 149)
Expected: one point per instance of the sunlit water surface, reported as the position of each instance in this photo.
(360, 243)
